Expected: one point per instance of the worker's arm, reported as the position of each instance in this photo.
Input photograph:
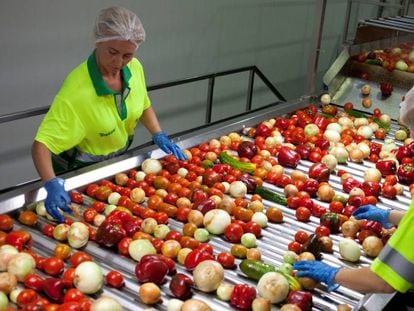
(395, 217)
(362, 280)
(150, 121)
(43, 161)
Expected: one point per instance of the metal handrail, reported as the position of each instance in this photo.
(211, 78)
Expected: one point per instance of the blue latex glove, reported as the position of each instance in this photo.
(162, 141)
(372, 212)
(318, 271)
(56, 198)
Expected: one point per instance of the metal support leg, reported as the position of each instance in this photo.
(209, 106)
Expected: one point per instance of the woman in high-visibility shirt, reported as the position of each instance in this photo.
(96, 110)
(393, 269)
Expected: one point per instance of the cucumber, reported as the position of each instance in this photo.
(246, 167)
(271, 195)
(255, 269)
(293, 282)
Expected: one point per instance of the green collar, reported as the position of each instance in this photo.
(100, 86)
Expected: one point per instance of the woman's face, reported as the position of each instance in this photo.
(113, 55)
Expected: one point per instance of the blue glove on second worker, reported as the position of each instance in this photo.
(56, 198)
(318, 271)
(162, 141)
(372, 212)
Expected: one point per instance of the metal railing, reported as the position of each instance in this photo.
(253, 70)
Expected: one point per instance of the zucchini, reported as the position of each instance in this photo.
(383, 125)
(246, 167)
(293, 282)
(255, 269)
(374, 62)
(357, 114)
(325, 115)
(271, 195)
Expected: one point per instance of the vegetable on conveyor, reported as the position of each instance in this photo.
(246, 167)
(271, 195)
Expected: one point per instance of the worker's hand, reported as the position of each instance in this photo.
(372, 212)
(318, 271)
(162, 141)
(56, 198)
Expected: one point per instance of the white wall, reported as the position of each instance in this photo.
(41, 41)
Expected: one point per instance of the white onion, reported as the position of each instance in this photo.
(174, 304)
(21, 265)
(273, 286)
(139, 248)
(105, 303)
(208, 275)
(346, 122)
(41, 209)
(332, 136)
(78, 235)
(113, 198)
(140, 175)
(330, 161)
(7, 252)
(216, 220)
(260, 218)
(385, 119)
(374, 126)
(365, 131)
(151, 166)
(360, 121)
(334, 127)
(364, 148)
(325, 99)
(349, 250)
(3, 301)
(372, 246)
(224, 291)
(88, 277)
(372, 174)
(238, 189)
(340, 154)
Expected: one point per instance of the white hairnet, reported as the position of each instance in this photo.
(407, 111)
(118, 23)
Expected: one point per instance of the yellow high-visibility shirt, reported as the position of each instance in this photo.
(395, 263)
(90, 120)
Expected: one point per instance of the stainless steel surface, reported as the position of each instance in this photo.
(273, 244)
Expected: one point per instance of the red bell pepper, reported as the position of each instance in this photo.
(282, 123)
(222, 168)
(329, 109)
(330, 220)
(304, 151)
(311, 110)
(386, 167)
(386, 88)
(118, 214)
(288, 157)
(372, 225)
(403, 152)
(374, 148)
(350, 183)
(110, 232)
(322, 143)
(151, 268)
(371, 188)
(321, 122)
(242, 296)
(56, 288)
(302, 299)
(195, 257)
(311, 186)
(405, 174)
(263, 130)
(19, 239)
(319, 171)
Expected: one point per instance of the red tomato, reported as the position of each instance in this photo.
(322, 231)
(115, 279)
(6, 222)
(205, 247)
(68, 274)
(318, 210)
(389, 191)
(69, 306)
(226, 260)
(391, 179)
(73, 294)
(303, 214)
(315, 156)
(77, 258)
(91, 190)
(253, 227)
(174, 235)
(233, 232)
(336, 207)
(33, 281)
(48, 230)
(123, 246)
(301, 237)
(76, 197)
(294, 247)
(102, 193)
(89, 214)
(348, 106)
(26, 296)
(53, 266)
(98, 206)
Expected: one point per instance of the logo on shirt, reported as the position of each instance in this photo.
(107, 134)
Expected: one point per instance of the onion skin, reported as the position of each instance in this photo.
(372, 246)
(195, 305)
(149, 293)
(105, 303)
(273, 286)
(208, 275)
(21, 265)
(88, 277)
(8, 281)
